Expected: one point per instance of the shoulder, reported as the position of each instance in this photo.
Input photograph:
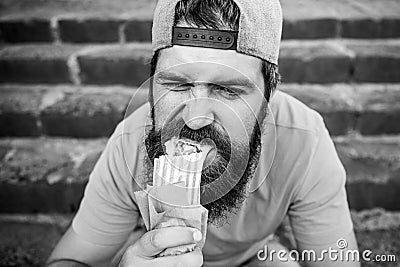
(125, 148)
(133, 124)
(289, 112)
(297, 134)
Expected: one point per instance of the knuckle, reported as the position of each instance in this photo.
(156, 240)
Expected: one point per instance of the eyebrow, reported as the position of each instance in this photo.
(237, 82)
(172, 76)
(166, 75)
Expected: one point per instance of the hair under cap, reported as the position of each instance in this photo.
(260, 27)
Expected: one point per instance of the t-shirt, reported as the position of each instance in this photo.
(299, 175)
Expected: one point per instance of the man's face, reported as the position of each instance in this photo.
(191, 81)
(217, 95)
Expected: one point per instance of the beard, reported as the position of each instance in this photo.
(224, 181)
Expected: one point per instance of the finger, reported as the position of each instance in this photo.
(192, 259)
(155, 241)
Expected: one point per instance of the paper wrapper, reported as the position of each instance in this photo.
(165, 206)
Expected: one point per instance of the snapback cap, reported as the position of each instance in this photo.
(259, 32)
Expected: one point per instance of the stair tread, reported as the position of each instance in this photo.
(47, 9)
(316, 61)
(94, 111)
(49, 174)
(107, 21)
(27, 240)
(306, 9)
(70, 160)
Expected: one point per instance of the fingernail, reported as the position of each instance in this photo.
(197, 235)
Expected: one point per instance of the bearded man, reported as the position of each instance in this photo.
(214, 75)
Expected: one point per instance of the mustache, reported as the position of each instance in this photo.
(178, 128)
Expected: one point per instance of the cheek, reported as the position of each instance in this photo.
(165, 105)
(239, 119)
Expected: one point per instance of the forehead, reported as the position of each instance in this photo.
(206, 64)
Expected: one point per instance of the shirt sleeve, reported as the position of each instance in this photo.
(319, 212)
(108, 213)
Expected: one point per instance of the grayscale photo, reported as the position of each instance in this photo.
(188, 133)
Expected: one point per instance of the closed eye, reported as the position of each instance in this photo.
(226, 91)
(177, 86)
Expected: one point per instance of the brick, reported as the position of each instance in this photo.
(27, 240)
(91, 30)
(370, 28)
(382, 109)
(42, 160)
(81, 111)
(377, 230)
(127, 65)
(61, 221)
(26, 244)
(375, 219)
(373, 171)
(390, 28)
(36, 64)
(138, 31)
(336, 103)
(33, 30)
(314, 62)
(39, 197)
(360, 28)
(370, 109)
(85, 114)
(310, 28)
(380, 242)
(59, 8)
(45, 175)
(376, 61)
(370, 195)
(19, 110)
(370, 159)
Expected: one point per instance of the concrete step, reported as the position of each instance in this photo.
(27, 240)
(94, 111)
(317, 61)
(49, 174)
(122, 20)
(63, 110)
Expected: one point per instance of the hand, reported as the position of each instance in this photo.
(143, 252)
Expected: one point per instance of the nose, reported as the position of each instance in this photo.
(198, 112)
